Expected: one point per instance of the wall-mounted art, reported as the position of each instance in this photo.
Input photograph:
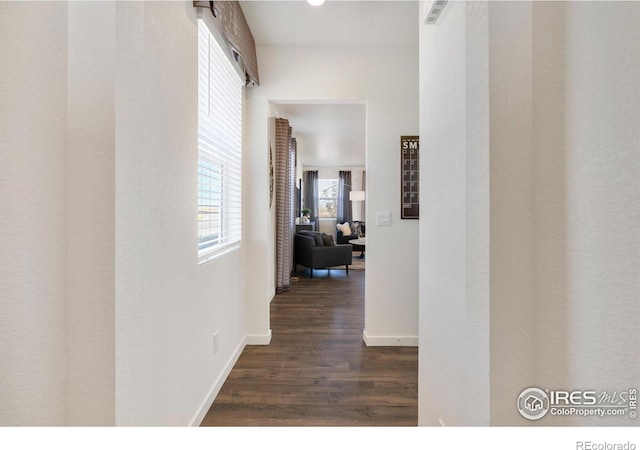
(410, 167)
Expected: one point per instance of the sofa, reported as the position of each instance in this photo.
(357, 230)
(314, 250)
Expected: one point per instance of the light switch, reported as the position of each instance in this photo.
(383, 218)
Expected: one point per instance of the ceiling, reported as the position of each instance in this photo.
(328, 135)
(331, 135)
(334, 23)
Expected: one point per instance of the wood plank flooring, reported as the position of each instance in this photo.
(317, 371)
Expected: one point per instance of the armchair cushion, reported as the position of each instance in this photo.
(327, 240)
(316, 235)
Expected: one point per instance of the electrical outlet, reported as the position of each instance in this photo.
(216, 341)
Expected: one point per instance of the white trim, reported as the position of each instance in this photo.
(217, 252)
(389, 341)
(258, 339)
(217, 385)
(271, 296)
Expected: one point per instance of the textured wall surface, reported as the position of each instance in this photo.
(108, 318)
(454, 222)
(33, 101)
(167, 306)
(602, 145)
(90, 197)
(564, 153)
(512, 221)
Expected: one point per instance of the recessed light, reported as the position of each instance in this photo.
(315, 2)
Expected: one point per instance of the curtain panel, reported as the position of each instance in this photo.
(311, 192)
(285, 209)
(236, 32)
(344, 204)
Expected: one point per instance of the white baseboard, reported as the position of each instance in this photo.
(389, 341)
(215, 389)
(271, 296)
(206, 404)
(257, 339)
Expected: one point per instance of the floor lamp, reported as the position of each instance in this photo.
(357, 196)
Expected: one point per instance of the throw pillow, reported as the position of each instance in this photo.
(345, 228)
(318, 238)
(354, 227)
(359, 230)
(327, 240)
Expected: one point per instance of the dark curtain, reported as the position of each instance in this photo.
(311, 192)
(285, 208)
(344, 204)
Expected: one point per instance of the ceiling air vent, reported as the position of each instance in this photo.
(435, 11)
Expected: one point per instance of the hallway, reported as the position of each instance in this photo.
(317, 371)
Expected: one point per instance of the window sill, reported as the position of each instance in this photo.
(218, 253)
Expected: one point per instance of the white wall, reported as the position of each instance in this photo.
(33, 326)
(454, 223)
(386, 80)
(90, 188)
(549, 192)
(512, 221)
(167, 306)
(602, 179)
(108, 318)
(563, 254)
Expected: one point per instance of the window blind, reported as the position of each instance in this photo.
(219, 148)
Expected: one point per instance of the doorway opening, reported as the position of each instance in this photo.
(330, 173)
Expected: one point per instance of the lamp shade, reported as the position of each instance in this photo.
(356, 196)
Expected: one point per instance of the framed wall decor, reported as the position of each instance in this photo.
(410, 173)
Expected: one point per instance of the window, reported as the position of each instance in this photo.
(219, 148)
(327, 199)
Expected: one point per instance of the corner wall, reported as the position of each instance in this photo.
(90, 188)
(511, 212)
(107, 316)
(560, 272)
(454, 224)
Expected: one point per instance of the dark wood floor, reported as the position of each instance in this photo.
(317, 371)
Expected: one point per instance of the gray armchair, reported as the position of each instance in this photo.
(311, 252)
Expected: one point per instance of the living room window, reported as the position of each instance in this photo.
(327, 199)
(219, 148)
